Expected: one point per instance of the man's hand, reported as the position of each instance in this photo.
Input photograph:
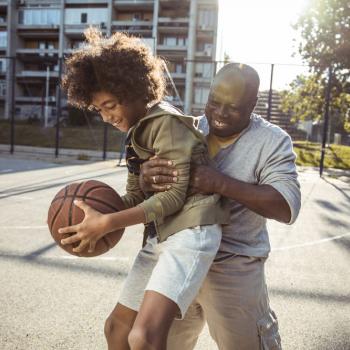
(157, 175)
(204, 179)
(88, 232)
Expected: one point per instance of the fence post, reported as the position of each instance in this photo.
(12, 104)
(326, 118)
(105, 136)
(269, 106)
(58, 107)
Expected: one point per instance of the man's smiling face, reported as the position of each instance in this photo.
(230, 103)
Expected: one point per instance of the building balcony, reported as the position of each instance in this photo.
(40, 52)
(36, 31)
(172, 48)
(38, 26)
(203, 80)
(173, 25)
(32, 99)
(173, 21)
(205, 54)
(36, 74)
(132, 26)
(178, 75)
(134, 4)
(86, 2)
(40, 2)
(77, 30)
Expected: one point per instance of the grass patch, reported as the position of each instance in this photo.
(309, 154)
(79, 137)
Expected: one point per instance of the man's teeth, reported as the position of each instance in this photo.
(217, 123)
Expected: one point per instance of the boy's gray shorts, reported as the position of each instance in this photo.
(175, 268)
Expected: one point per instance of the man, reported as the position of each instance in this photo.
(255, 172)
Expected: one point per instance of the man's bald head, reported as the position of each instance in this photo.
(236, 84)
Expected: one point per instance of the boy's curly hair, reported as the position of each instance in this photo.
(121, 65)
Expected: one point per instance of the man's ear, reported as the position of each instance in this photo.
(251, 105)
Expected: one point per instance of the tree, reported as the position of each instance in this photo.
(325, 33)
(306, 98)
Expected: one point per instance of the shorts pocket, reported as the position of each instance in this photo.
(268, 332)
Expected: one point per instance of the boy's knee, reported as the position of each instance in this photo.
(141, 338)
(109, 325)
(115, 327)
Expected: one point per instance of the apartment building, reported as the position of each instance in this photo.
(40, 32)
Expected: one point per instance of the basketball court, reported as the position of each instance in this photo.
(52, 300)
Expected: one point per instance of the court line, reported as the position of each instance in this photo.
(23, 227)
(306, 244)
(69, 257)
(301, 245)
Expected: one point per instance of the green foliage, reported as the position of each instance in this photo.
(306, 99)
(309, 154)
(325, 31)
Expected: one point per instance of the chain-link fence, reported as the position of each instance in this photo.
(34, 112)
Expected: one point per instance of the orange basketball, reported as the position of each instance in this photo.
(63, 212)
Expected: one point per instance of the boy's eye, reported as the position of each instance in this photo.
(111, 106)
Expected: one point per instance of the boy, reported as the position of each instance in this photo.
(121, 80)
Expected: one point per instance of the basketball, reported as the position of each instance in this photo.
(63, 212)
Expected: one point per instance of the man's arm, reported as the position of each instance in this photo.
(276, 196)
(262, 199)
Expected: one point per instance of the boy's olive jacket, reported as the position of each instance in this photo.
(167, 133)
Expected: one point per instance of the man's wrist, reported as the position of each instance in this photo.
(219, 184)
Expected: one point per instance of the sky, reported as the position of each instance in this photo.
(259, 32)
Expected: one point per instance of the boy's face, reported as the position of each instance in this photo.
(121, 116)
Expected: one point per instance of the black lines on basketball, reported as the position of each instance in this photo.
(63, 212)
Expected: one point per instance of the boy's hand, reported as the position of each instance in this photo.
(88, 232)
(157, 175)
(204, 179)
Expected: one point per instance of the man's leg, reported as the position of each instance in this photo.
(236, 305)
(118, 326)
(152, 324)
(183, 334)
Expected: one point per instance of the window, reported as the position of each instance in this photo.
(2, 87)
(206, 18)
(83, 18)
(201, 95)
(39, 16)
(204, 70)
(170, 41)
(86, 16)
(175, 40)
(3, 39)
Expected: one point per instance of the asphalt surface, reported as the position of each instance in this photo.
(49, 300)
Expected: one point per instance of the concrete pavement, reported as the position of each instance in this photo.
(50, 300)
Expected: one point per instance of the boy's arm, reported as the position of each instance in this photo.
(95, 225)
(172, 140)
(134, 194)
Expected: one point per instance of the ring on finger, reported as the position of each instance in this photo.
(154, 178)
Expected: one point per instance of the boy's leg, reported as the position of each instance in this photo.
(183, 263)
(153, 322)
(118, 326)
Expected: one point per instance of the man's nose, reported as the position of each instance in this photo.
(222, 111)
